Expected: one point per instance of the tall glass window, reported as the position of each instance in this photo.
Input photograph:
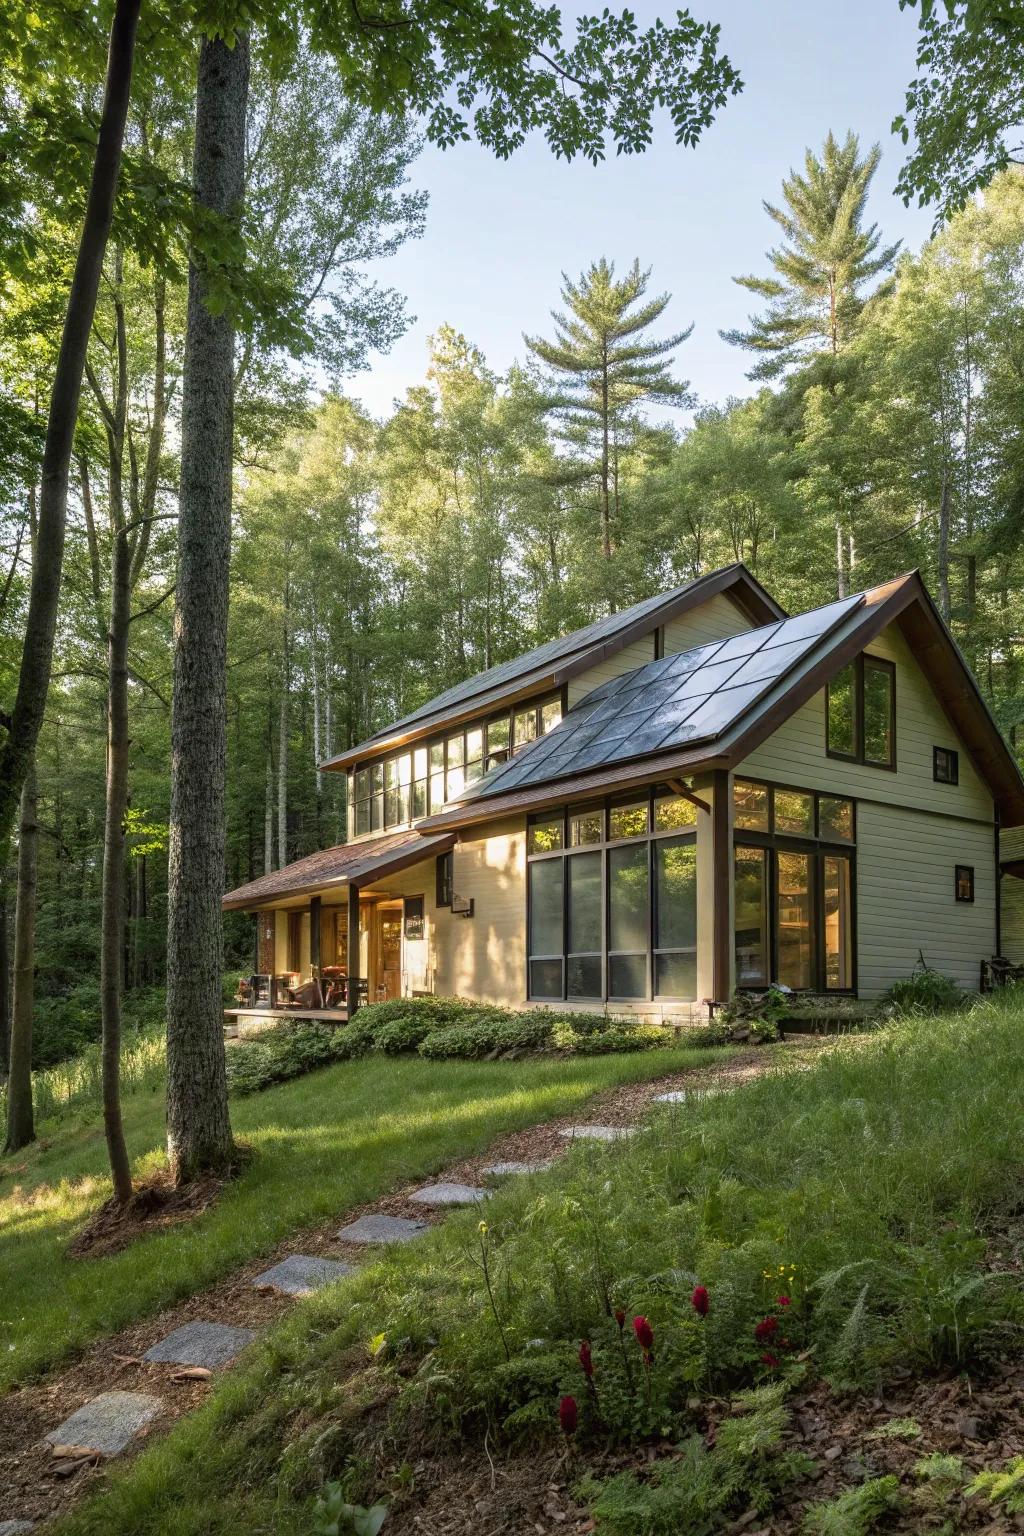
(584, 944)
(795, 928)
(675, 908)
(628, 917)
(546, 928)
(753, 965)
(837, 916)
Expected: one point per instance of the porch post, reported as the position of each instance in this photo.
(257, 923)
(353, 947)
(721, 818)
(314, 937)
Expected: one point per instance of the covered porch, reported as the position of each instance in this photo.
(331, 935)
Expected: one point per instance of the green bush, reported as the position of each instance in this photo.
(281, 1054)
(487, 1034)
(925, 991)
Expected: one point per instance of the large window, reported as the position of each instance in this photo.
(860, 712)
(408, 785)
(613, 900)
(793, 888)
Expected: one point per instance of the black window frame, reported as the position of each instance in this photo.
(968, 871)
(371, 811)
(606, 847)
(444, 879)
(414, 917)
(861, 664)
(951, 757)
(820, 847)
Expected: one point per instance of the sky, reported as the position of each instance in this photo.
(499, 234)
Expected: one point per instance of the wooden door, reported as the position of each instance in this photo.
(389, 953)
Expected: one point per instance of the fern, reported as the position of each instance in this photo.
(1006, 1487)
(857, 1511)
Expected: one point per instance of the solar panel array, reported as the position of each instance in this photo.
(521, 666)
(677, 701)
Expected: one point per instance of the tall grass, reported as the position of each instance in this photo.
(76, 1084)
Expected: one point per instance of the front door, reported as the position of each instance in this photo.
(389, 953)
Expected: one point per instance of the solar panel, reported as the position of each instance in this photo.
(672, 702)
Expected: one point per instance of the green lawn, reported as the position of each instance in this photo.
(323, 1143)
(864, 1186)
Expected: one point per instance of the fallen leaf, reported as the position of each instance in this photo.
(127, 1359)
(192, 1373)
(75, 1451)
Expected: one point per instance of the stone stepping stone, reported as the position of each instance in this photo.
(381, 1229)
(205, 1344)
(680, 1095)
(15, 1527)
(597, 1132)
(300, 1274)
(108, 1423)
(449, 1194)
(499, 1170)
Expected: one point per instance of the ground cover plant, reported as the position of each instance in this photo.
(320, 1145)
(442, 1029)
(839, 1222)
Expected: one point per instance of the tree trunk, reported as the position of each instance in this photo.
(283, 727)
(19, 745)
(20, 1127)
(5, 984)
(268, 817)
(112, 930)
(944, 499)
(606, 530)
(840, 562)
(198, 1125)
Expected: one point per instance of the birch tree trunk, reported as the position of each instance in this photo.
(20, 1126)
(198, 1125)
(18, 749)
(112, 941)
(268, 817)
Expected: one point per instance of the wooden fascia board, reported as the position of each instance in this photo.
(734, 581)
(432, 846)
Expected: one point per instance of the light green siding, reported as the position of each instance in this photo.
(636, 654)
(716, 619)
(911, 832)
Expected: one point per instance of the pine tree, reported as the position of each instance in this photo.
(825, 266)
(603, 368)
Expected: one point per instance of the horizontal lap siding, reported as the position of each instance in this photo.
(1013, 918)
(484, 956)
(905, 897)
(905, 853)
(716, 619)
(636, 654)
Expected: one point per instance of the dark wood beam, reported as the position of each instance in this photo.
(679, 788)
(721, 853)
(353, 947)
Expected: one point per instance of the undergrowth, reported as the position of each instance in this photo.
(831, 1220)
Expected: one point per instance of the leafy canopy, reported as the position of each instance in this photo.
(825, 264)
(964, 106)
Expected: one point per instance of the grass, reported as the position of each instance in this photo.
(323, 1143)
(866, 1180)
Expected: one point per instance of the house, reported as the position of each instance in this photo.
(692, 796)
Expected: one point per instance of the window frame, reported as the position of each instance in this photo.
(411, 919)
(371, 808)
(968, 870)
(865, 661)
(444, 878)
(819, 847)
(952, 756)
(607, 846)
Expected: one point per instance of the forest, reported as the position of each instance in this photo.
(376, 561)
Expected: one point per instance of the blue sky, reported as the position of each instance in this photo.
(499, 234)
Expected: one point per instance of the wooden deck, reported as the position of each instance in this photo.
(275, 1015)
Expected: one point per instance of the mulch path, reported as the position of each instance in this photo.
(32, 1488)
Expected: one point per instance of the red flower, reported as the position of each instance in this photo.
(700, 1300)
(586, 1359)
(770, 1360)
(568, 1415)
(645, 1335)
(765, 1328)
(783, 1301)
(620, 1318)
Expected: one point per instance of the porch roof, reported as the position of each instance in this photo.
(356, 864)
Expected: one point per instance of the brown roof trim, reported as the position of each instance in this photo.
(352, 864)
(732, 581)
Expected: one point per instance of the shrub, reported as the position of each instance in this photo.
(925, 991)
(280, 1055)
(857, 1511)
(488, 1035)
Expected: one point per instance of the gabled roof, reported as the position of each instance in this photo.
(550, 665)
(712, 706)
(349, 864)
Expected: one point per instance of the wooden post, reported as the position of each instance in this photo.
(721, 817)
(314, 937)
(257, 921)
(353, 946)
